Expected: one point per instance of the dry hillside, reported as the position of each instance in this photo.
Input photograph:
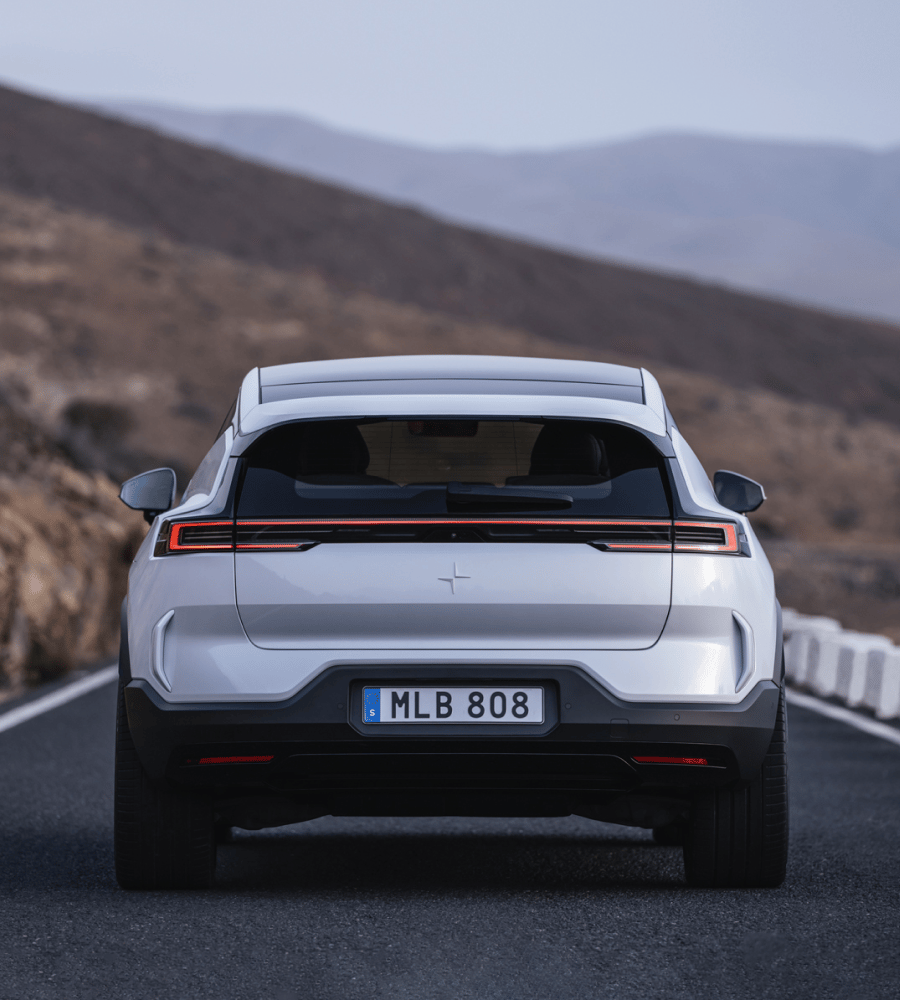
(205, 198)
(65, 546)
(127, 349)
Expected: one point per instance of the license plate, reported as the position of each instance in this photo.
(469, 705)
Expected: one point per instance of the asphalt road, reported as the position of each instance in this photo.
(339, 909)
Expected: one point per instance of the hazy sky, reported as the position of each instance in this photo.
(496, 73)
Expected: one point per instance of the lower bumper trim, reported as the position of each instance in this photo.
(318, 721)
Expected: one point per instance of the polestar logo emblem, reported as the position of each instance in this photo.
(452, 579)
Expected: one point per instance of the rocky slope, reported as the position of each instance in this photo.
(65, 546)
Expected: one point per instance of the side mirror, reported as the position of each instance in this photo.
(737, 492)
(152, 492)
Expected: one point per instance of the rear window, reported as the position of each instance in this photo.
(421, 467)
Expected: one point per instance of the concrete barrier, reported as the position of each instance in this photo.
(887, 698)
(803, 638)
(859, 669)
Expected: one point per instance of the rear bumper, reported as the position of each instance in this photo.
(323, 760)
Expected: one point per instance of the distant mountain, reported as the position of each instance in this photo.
(812, 223)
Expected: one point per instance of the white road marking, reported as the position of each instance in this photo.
(59, 697)
(863, 722)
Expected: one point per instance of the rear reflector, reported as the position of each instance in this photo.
(671, 760)
(237, 760)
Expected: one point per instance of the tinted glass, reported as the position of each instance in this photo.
(404, 468)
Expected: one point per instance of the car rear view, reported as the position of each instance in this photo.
(450, 586)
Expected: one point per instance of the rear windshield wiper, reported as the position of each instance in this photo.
(465, 496)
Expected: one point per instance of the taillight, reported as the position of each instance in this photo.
(706, 536)
(636, 536)
(177, 537)
(266, 536)
(201, 536)
(224, 536)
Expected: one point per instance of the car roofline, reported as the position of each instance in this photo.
(450, 366)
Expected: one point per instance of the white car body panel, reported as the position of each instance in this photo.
(209, 657)
(248, 398)
(265, 415)
(650, 627)
(653, 397)
(700, 488)
(456, 366)
(696, 664)
(455, 596)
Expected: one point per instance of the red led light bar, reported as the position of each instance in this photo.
(177, 528)
(729, 530)
(649, 546)
(720, 537)
(363, 522)
(295, 546)
(237, 760)
(671, 760)
(209, 536)
(263, 545)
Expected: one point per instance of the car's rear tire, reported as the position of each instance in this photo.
(163, 837)
(739, 836)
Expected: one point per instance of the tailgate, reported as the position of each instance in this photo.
(453, 595)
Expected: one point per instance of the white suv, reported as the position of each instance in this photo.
(428, 586)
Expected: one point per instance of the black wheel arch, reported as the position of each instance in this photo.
(124, 655)
(779, 645)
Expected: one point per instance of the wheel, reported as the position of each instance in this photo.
(671, 835)
(739, 836)
(163, 837)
